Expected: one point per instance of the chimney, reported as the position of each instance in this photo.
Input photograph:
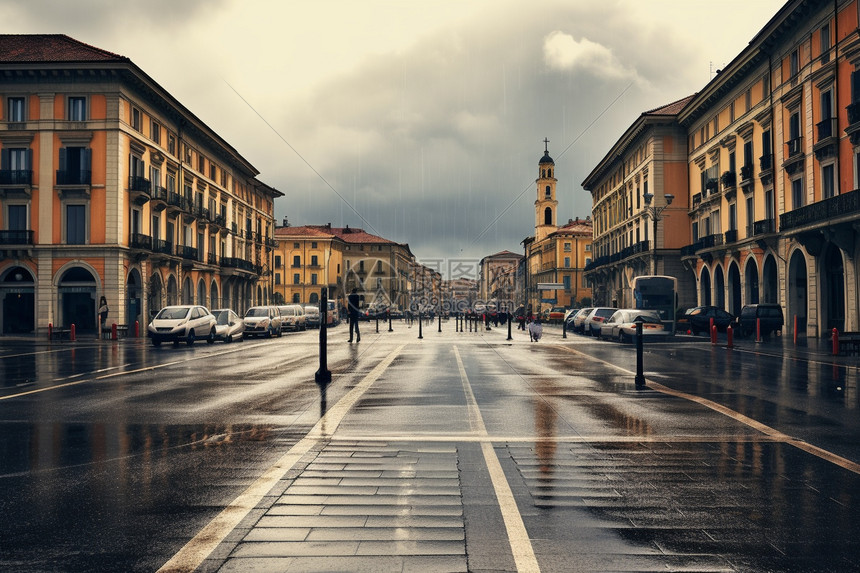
(286, 222)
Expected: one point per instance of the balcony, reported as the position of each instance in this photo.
(74, 178)
(794, 147)
(162, 247)
(825, 145)
(697, 200)
(728, 179)
(690, 250)
(765, 162)
(241, 264)
(795, 156)
(853, 110)
(23, 237)
(711, 241)
(140, 189)
(212, 258)
(731, 236)
(764, 227)
(175, 203)
(140, 241)
(746, 173)
(826, 128)
(16, 177)
(188, 253)
(821, 212)
(159, 198)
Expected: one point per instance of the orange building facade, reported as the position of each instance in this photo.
(110, 188)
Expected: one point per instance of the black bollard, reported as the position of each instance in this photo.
(323, 375)
(563, 328)
(640, 375)
(420, 322)
(509, 328)
(377, 323)
(390, 329)
(440, 321)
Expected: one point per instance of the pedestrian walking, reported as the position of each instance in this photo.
(535, 330)
(352, 302)
(103, 311)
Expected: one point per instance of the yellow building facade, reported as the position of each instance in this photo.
(110, 187)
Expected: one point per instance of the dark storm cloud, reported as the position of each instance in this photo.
(438, 147)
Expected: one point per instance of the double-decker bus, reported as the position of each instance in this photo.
(660, 293)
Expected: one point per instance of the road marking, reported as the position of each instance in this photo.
(207, 540)
(123, 373)
(518, 537)
(763, 428)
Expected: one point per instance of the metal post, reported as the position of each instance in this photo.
(440, 319)
(835, 339)
(509, 327)
(563, 328)
(377, 323)
(323, 375)
(420, 322)
(390, 329)
(640, 375)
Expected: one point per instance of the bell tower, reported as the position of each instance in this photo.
(546, 207)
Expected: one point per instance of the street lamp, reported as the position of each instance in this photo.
(655, 213)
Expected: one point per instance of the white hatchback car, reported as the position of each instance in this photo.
(186, 322)
(262, 321)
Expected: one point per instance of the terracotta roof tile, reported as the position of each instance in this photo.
(42, 48)
(673, 108)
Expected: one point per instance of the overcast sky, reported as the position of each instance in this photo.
(421, 121)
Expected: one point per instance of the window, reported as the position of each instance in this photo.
(828, 181)
(361, 266)
(769, 212)
(794, 63)
(313, 278)
(135, 118)
(15, 109)
(277, 261)
(588, 248)
(797, 193)
(314, 261)
(750, 216)
(201, 163)
(297, 246)
(155, 132)
(765, 86)
(733, 217)
(16, 218)
(296, 278)
(171, 144)
(566, 280)
(156, 227)
(76, 224)
(277, 278)
(547, 216)
(296, 297)
(567, 262)
(314, 245)
(548, 193)
(297, 261)
(77, 108)
(213, 172)
(825, 42)
(567, 247)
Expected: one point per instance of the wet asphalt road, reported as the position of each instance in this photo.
(461, 451)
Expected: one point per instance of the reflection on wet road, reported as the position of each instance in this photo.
(457, 452)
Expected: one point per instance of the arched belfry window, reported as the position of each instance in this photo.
(547, 216)
(548, 191)
(543, 172)
(549, 173)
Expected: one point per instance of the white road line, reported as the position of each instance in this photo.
(518, 537)
(755, 424)
(195, 551)
(123, 373)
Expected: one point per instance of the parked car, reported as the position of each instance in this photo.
(262, 321)
(186, 322)
(621, 326)
(556, 315)
(596, 318)
(770, 315)
(293, 317)
(228, 325)
(698, 319)
(577, 321)
(312, 315)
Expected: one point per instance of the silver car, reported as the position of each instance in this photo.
(621, 326)
(262, 321)
(229, 325)
(186, 322)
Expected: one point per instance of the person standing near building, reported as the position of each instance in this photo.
(103, 312)
(352, 302)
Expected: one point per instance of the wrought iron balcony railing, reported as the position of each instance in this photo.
(21, 237)
(66, 177)
(821, 211)
(16, 177)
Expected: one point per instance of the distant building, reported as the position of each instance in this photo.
(341, 258)
(497, 278)
(554, 255)
(111, 187)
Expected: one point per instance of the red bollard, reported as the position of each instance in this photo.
(137, 329)
(758, 330)
(50, 330)
(795, 330)
(113, 331)
(72, 332)
(713, 333)
(730, 336)
(835, 342)
(710, 324)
